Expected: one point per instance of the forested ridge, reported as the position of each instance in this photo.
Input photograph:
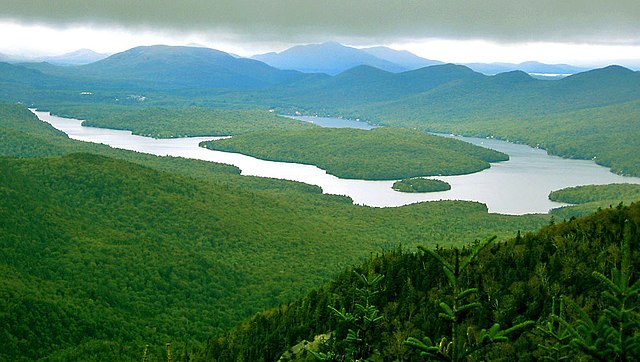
(589, 198)
(104, 251)
(552, 282)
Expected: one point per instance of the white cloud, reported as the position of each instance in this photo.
(483, 51)
(37, 40)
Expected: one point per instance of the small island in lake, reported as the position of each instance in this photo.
(419, 184)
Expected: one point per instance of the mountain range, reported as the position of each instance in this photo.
(198, 70)
(333, 58)
(330, 58)
(454, 91)
(530, 67)
(166, 68)
(77, 57)
(186, 67)
(444, 97)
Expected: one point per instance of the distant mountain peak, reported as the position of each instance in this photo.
(531, 67)
(403, 58)
(514, 76)
(617, 68)
(608, 71)
(612, 74)
(77, 57)
(183, 66)
(363, 70)
(329, 57)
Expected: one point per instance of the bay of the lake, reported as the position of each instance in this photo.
(518, 186)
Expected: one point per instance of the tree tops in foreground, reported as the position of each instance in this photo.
(569, 290)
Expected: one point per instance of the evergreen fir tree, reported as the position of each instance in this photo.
(461, 342)
(615, 333)
(360, 321)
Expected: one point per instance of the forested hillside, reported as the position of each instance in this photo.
(589, 198)
(106, 251)
(553, 283)
(607, 134)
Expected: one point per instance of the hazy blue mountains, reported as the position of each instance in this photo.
(78, 57)
(170, 69)
(330, 58)
(333, 58)
(404, 58)
(178, 67)
(528, 67)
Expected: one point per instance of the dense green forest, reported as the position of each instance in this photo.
(106, 250)
(420, 184)
(377, 154)
(572, 287)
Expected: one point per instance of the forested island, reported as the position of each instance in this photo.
(420, 184)
(377, 154)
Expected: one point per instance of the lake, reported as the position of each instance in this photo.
(518, 186)
(329, 122)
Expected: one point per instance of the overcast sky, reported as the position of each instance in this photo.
(574, 31)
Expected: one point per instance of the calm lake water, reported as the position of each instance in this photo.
(329, 122)
(518, 186)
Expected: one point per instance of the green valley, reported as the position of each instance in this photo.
(114, 250)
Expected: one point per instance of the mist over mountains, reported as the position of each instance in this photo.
(77, 57)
